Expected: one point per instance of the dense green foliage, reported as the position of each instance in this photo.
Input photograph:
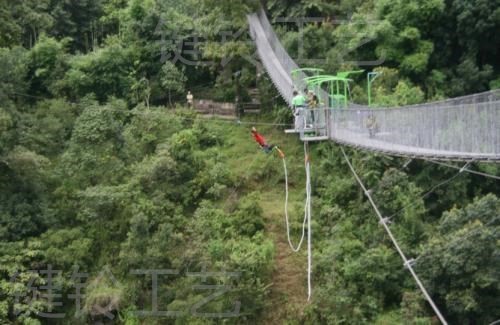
(433, 47)
(98, 176)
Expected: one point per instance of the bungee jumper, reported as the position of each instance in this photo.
(306, 224)
(268, 148)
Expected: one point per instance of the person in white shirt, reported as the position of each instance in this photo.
(190, 99)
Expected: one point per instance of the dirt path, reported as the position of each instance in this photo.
(288, 295)
(288, 291)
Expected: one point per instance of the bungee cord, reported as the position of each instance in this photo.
(287, 220)
(307, 218)
(309, 228)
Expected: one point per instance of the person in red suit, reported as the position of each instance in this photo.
(268, 148)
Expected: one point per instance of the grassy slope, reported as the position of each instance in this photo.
(288, 290)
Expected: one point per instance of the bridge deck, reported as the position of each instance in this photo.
(364, 141)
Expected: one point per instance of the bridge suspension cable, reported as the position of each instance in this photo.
(383, 221)
(464, 169)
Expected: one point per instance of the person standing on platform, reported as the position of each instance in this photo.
(190, 100)
(298, 104)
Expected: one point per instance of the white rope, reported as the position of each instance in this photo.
(297, 249)
(309, 229)
(307, 219)
(383, 222)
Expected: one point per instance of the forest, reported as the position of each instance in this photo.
(121, 205)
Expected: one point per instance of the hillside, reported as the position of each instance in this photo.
(172, 192)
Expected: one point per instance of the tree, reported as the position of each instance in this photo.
(16, 259)
(47, 65)
(402, 200)
(172, 79)
(227, 12)
(10, 30)
(142, 91)
(77, 20)
(7, 134)
(460, 264)
(476, 20)
(94, 148)
(468, 77)
(106, 72)
(13, 73)
(24, 22)
(48, 129)
(22, 199)
(147, 130)
(65, 248)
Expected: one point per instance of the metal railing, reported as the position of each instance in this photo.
(458, 132)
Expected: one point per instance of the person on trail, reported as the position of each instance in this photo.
(268, 148)
(298, 103)
(190, 99)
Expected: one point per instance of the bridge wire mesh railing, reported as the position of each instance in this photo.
(466, 131)
(267, 41)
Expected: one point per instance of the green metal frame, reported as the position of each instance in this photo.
(338, 88)
(313, 71)
(346, 74)
(337, 85)
(337, 91)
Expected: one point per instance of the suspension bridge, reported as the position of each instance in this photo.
(460, 129)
